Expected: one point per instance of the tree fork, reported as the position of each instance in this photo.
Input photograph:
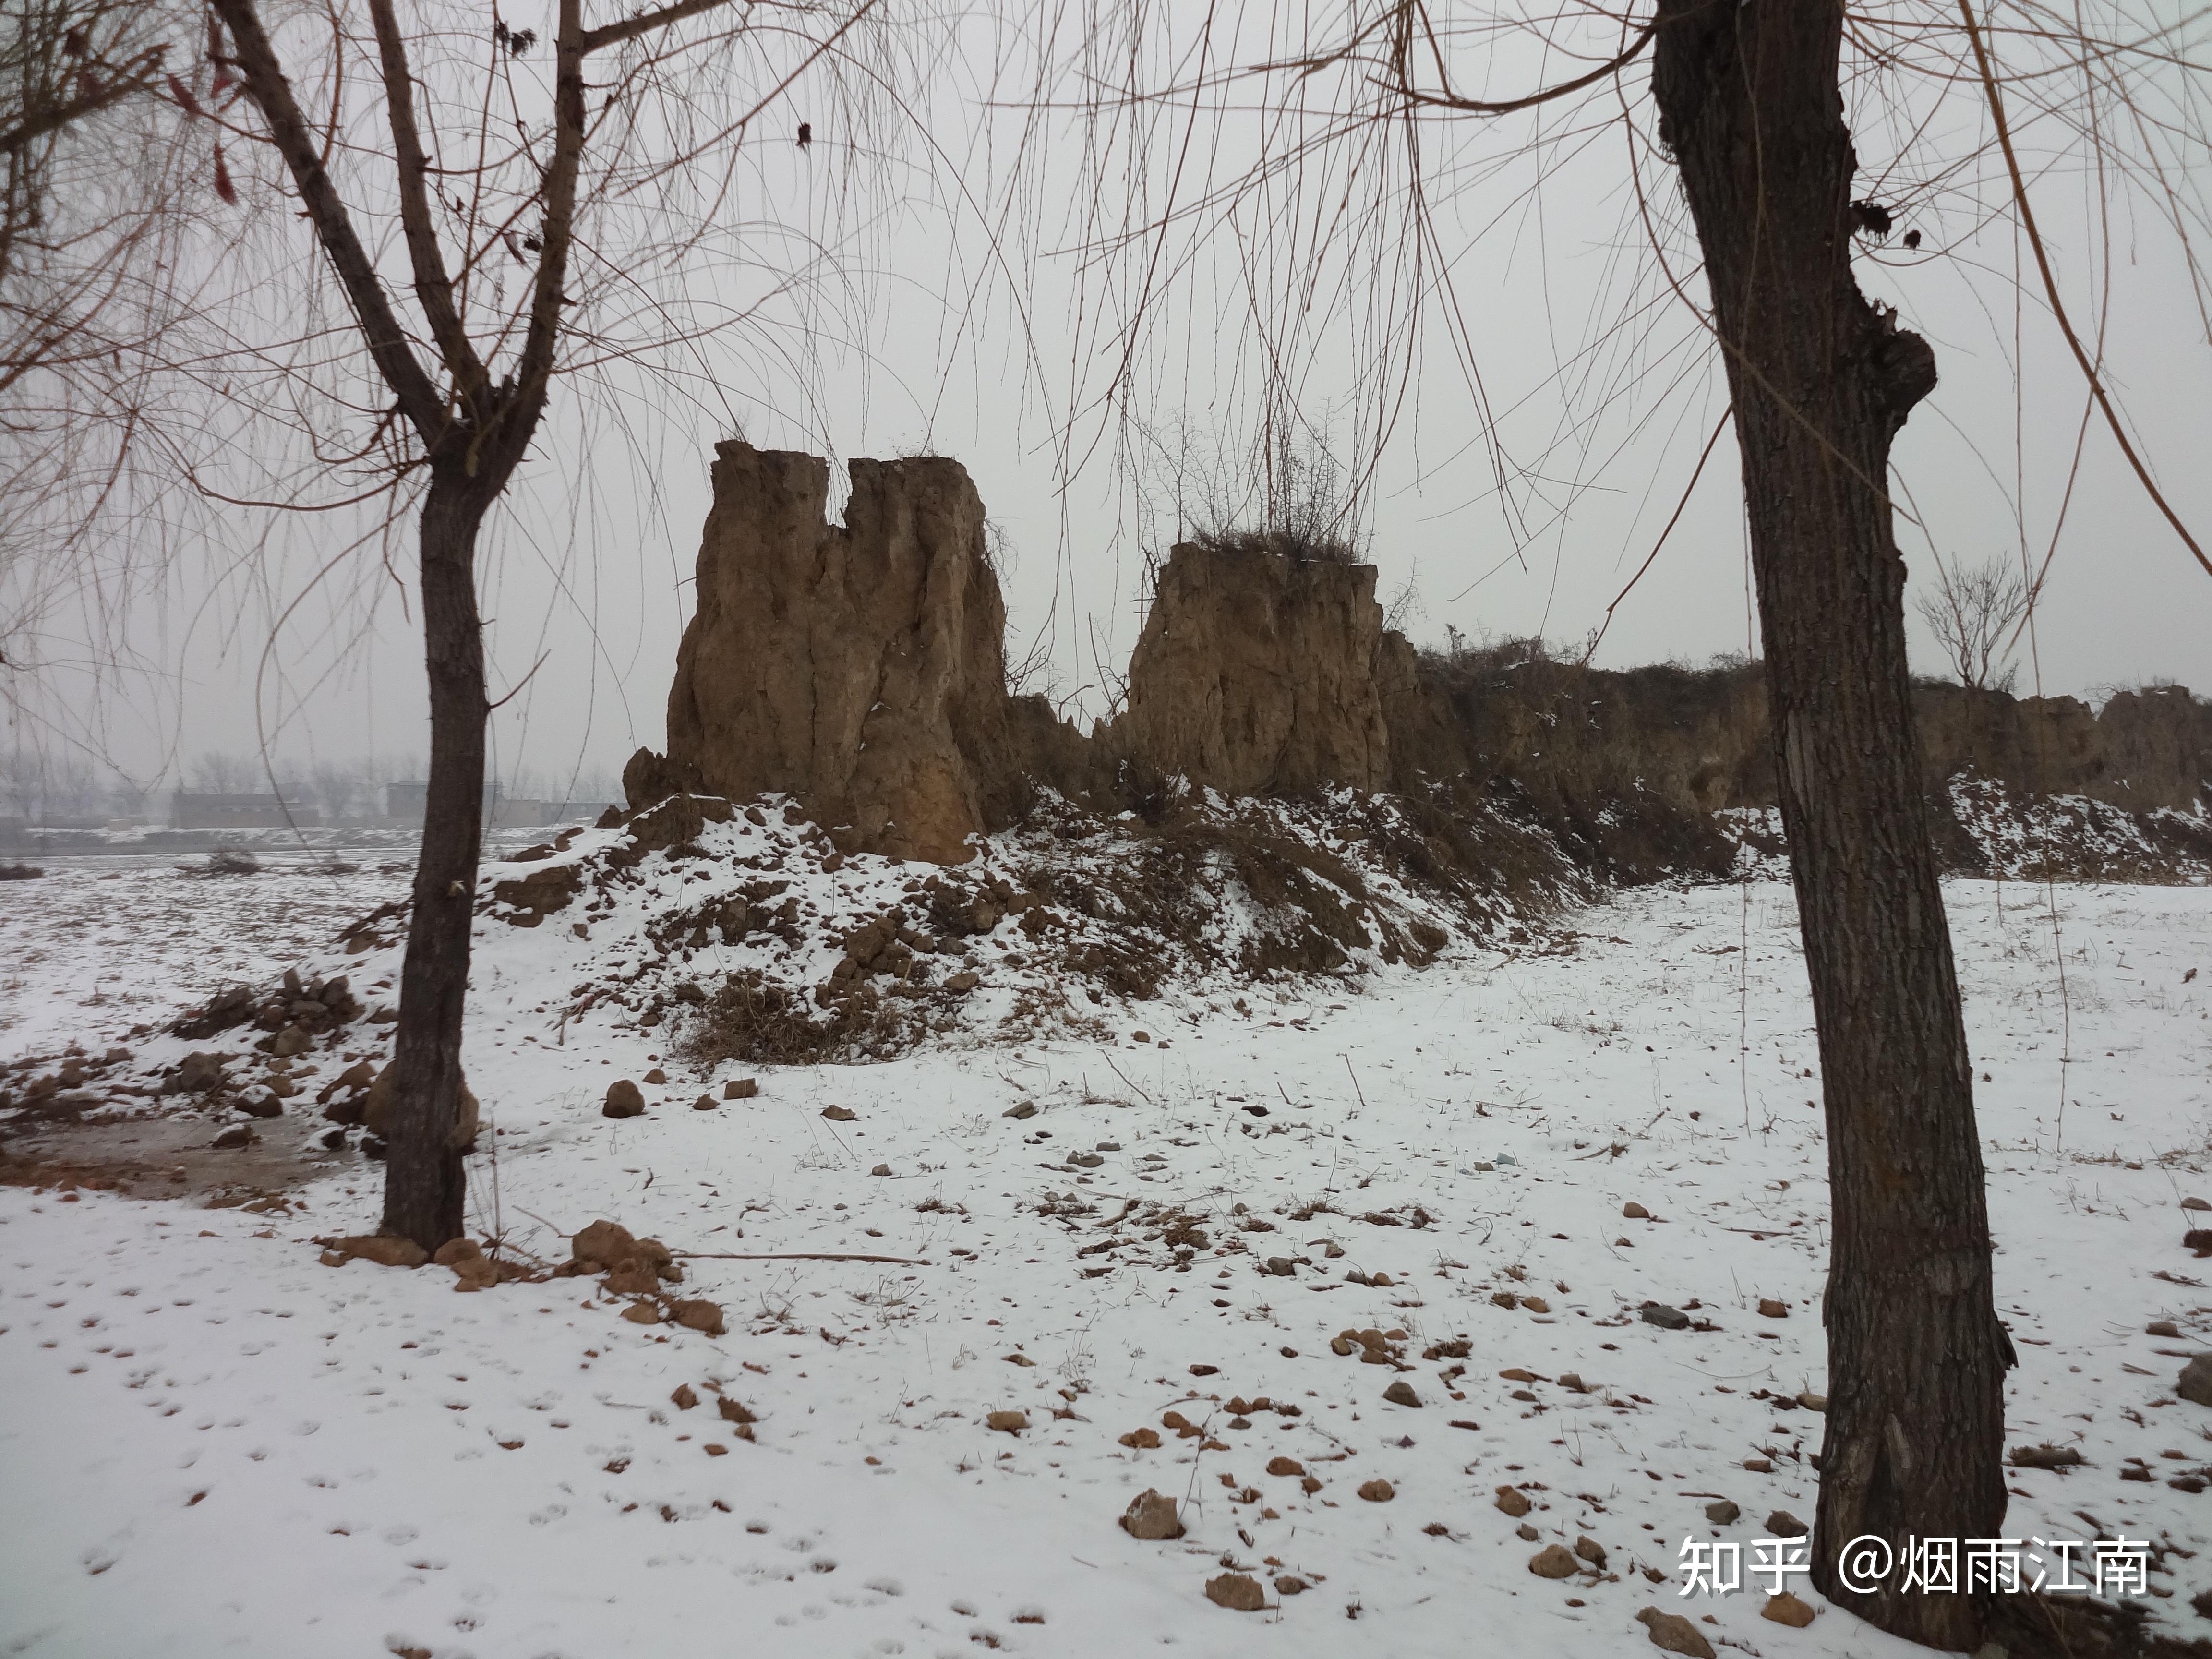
(1822, 381)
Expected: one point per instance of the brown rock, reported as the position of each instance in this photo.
(840, 1114)
(1769, 1309)
(1723, 1513)
(734, 1411)
(376, 1110)
(625, 1099)
(1239, 1592)
(1401, 1392)
(234, 1137)
(1309, 1485)
(641, 1313)
(1377, 1490)
(1591, 1551)
(1675, 1633)
(477, 1272)
(1786, 1609)
(1535, 1304)
(699, 1314)
(685, 1398)
(1513, 1501)
(291, 1041)
(632, 1278)
(881, 1170)
(1635, 1212)
(2196, 1383)
(455, 1251)
(198, 1072)
(1151, 1517)
(1783, 1524)
(965, 981)
(1006, 1422)
(1285, 1466)
(383, 1249)
(603, 1242)
(1141, 1440)
(1553, 1561)
(704, 1104)
(1290, 1584)
(2162, 1327)
(743, 1088)
(656, 1076)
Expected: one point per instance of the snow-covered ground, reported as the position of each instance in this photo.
(213, 1443)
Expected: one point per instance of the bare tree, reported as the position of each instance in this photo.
(1313, 152)
(438, 135)
(1974, 613)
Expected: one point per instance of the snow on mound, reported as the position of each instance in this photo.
(746, 934)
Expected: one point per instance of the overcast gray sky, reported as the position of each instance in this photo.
(588, 566)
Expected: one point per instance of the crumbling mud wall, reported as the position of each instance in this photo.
(859, 667)
(1256, 675)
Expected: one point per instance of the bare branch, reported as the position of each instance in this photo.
(294, 140)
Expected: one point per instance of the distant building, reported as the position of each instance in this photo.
(410, 801)
(188, 810)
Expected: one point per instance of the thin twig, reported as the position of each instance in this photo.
(798, 1255)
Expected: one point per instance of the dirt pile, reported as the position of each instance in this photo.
(859, 666)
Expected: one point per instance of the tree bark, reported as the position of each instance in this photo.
(1822, 382)
(425, 1186)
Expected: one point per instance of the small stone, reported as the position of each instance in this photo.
(1021, 1113)
(383, 1249)
(1674, 1634)
(881, 1170)
(965, 981)
(1282, 1267)
(1666, 1318)
(1006, 1422)
(2162, 1327)
(455, 1251)
(1290, 1584)
(289, 1041)
(334, 1258)
(1813, 1403)
(234, 1137)
(1310, 1485)
(1724, 1513)
(477, 1273)
(1285, 1466)
(685, 1398)
(743, 1088)
(1769, 1309)
(1759, 1465)
(1239, 1592)
(656, 1075)
(1526, 1534)
(1786, 1609)
(1553, 1561)
(1378, 1491)
(1533, 1303)
(1142, 1439)
(701, 1316)
(840, 1114)
(625, 1099)
(735, 1411)
(1401, 1392)
(2195, 1203)
(643, 1313)
(704, 1104)
(1635, 1212)
(1151, 1517)
(199, 1071)
(261, 1103)
(1513, 1501)
(1590, 1550)
(1783, 1524)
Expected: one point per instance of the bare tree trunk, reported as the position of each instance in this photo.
(1822, 382)
(424, 1183)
